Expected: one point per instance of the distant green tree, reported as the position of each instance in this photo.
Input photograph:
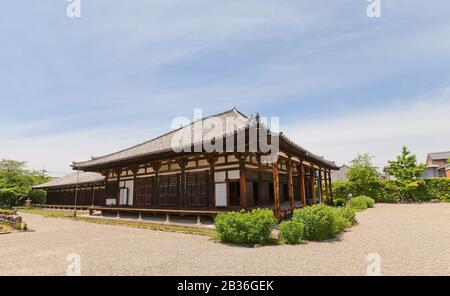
(363, 174)
(405, 168)
(16, 181)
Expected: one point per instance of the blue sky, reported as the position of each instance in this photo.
(341, 82)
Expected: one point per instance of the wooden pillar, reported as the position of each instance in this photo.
(118, 173)
(276, 190)
(301, 180)
(243, 181)
(212, 159)
(182, 162)
(313, 185)
(93, 194)
(290, 183)
(156, 167)
(331, 186)
(326, 186)
(106, 184)
(135, 171)
(259, 184)
(319, 182)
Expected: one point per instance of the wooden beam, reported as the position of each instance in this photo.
(156, 167)
(290, 183)
(93, 193)
(331, 186)
(276, 190)
(313, 185)
(301, 180)
(135, 171)
(212, 159)
(182, 162)
(326, 186)
(243, 181)
(319, 182)
(118, 173)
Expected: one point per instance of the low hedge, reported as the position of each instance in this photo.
(361, 202)
(244, 227)
(322, 222)
(318, 221)
(349, 214)
(291, 232)
(394, 191)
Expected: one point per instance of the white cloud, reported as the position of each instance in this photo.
(422, 125)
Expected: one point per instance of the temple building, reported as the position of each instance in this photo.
(202, 176)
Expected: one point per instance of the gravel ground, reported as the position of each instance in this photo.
(411, 240)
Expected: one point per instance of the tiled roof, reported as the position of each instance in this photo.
(439, 155)
(163, 143)
(71, 179)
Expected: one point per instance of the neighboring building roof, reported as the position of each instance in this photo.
(439, 155)
(163, 143)
(341, 174)
(71, 179)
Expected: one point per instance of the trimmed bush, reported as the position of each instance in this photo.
(340, 223)
(318, 221)
(361, 202)
(370, 202)
(291, 232)
(357, 203)
(339, 202)
(349, 214)
(244, 227)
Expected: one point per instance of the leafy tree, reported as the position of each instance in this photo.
(405, 168)
(363, 174)
(16, 181)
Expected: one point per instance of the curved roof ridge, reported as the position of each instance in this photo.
(234, 109)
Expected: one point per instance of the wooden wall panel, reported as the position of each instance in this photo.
(143, 191)
(198, 189)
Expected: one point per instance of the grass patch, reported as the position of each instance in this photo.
(48, 213)
(170, 228)
(5, 228)
(68, 214)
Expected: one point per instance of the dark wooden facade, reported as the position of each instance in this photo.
(209, 182)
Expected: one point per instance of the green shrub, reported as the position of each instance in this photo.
(349, 214)
(340, 223)
(394, 191)
(361, 202)
(342, 189)
(370, 202)
(8, 197)
(37, 196)
(243, 227)
(339, 202)
(358, 203)
(291, 231)
(317, 220)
